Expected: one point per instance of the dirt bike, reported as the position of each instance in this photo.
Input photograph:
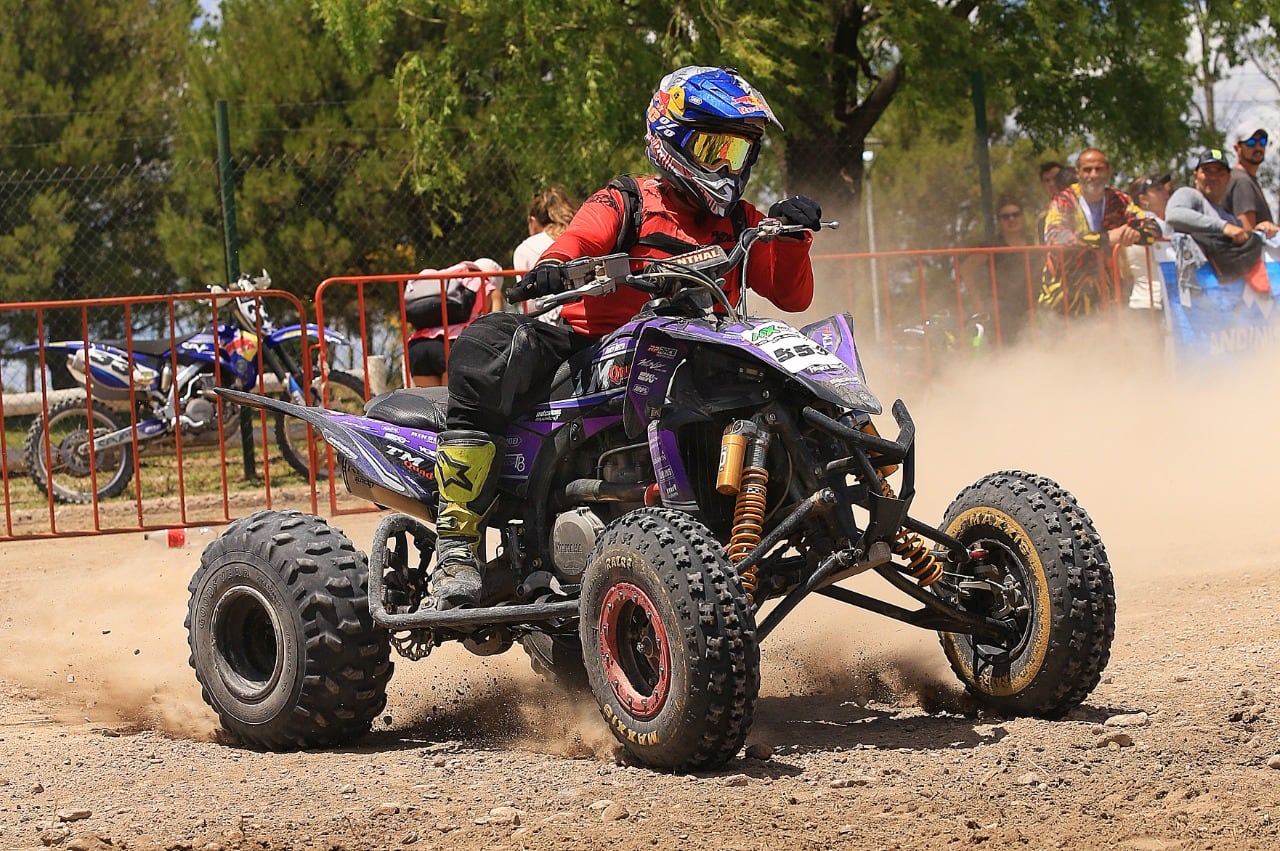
(694, 467)
(78, 450)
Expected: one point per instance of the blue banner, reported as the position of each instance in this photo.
(1209, 320)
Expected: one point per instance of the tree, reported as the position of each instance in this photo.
(318, 155)
(832, 70)
(88, 91)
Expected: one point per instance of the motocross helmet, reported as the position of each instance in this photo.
(703, 132)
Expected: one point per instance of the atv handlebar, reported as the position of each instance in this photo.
(596, 276)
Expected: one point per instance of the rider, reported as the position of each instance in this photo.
(704, 131)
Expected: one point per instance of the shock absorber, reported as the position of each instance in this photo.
(743, 473)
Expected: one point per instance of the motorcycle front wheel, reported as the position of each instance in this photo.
(345, 393)
(58, 453)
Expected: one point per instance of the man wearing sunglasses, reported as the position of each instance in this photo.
(1244, 198)
(705, 128)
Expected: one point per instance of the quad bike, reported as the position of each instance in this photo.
(691, 480)
(144, 391)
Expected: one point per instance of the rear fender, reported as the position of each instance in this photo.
(64, 346)
(354, 448)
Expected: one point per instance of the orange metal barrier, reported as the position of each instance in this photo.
(917, 309)
(387, 292)
(163, 488)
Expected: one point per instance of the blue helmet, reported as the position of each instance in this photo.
(704, 128)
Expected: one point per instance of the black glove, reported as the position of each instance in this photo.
(798, 210)
(543, 280)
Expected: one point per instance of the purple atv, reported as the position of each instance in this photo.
(689, 482)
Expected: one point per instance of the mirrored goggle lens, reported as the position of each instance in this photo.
(712, 150)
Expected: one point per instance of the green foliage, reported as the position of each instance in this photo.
(317, 153)
(523, 78)
(86, 91)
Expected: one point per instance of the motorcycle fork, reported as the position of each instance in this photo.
(288, 372)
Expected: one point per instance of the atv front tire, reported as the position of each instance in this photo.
(1060, 596)
(669, 641)
(280, 634)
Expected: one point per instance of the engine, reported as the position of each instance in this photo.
(620, 476)
(572, 539)
(199, 406)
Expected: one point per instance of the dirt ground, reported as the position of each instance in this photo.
(863, 737)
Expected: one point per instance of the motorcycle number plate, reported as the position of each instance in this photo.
(792, 350)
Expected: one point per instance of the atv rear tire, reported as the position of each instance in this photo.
(1043, 545)
(669, 641)
(280, 634)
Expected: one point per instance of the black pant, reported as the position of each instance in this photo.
(502, 365)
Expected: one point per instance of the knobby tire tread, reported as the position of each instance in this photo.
(345, 664)
(1081, 589)
(719, 634)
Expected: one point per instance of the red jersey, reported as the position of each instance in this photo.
(778, 270)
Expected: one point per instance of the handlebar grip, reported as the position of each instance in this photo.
(518, 293)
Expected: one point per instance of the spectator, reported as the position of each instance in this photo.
(1004, 274)
(1244, 198)
(550, 212)
(1231, 249)
(1091, 218)
(1049, 182)
(1064, 178)
(427, 357)
(1151, 193)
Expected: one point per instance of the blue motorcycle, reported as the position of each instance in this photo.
(78, 450)
(689, 482)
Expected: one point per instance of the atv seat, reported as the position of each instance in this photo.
(415, 407)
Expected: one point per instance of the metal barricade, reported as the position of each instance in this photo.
(380, 323)
(928, 307)
(149, 451)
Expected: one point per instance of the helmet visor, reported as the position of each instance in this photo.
(713, 150)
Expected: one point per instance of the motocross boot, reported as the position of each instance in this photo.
(467, 478)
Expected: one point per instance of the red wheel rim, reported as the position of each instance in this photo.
(634, 650)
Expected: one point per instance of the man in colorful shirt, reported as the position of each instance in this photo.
(1090, 218)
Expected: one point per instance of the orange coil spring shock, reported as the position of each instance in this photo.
(749, 511)
(922, 566)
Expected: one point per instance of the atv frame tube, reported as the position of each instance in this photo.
(450, 618)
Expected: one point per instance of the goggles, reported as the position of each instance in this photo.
(713, 150)
(1256, 141)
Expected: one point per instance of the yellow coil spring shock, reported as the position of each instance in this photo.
(743, 451)
(922, 566)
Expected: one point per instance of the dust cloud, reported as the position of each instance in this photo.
(1176, 468)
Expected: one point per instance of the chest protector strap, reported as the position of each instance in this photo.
(633, 218)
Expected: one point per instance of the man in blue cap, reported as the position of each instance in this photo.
(1232, 249)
